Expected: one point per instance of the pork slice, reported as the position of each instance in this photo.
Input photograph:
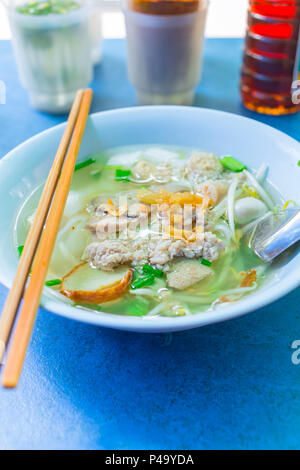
(186, 273)
(202, 166)
(108, 254)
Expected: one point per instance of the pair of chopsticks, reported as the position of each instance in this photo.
(40, 243)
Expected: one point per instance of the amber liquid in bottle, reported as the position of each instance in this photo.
(164, 7)
(271, 56)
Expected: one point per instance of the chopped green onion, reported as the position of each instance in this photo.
(121, 172)
(20, 249)
(232, 164)
(112, 167)
(147, 269)
(122, 175)
(143, 281)
(87, 162)
(205, 262)
(299, 163)
(53, 282)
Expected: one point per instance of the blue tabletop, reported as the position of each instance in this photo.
(227, 386)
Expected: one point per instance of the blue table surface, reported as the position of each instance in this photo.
(226, 386)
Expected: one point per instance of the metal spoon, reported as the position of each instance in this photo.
(275, 233)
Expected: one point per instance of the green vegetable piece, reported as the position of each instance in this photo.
(143, 281)
(299, 163)
(139, 308)
(47, 8)
(122, 175)
(205, 262)
(125, 178)
(232, 164)
(44, 7)
(121, 172)
(112, 167)
(80, 165)
(53, 282)
(147, 269)
(20, 249)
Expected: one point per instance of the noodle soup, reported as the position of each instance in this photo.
(157, 231)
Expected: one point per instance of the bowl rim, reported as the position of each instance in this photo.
(259, 299)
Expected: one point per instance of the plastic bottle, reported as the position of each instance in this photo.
(270, 72)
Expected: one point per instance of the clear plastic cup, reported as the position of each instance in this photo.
(165, 54)
(95, 31)
(53, 54)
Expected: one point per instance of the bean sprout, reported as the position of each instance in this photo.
(263, 194)
(230, 205)
(262, 173)
(156, 310)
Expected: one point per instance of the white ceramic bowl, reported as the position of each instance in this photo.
(222, 133)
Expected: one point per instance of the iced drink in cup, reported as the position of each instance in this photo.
(165, 41)
(52, 47)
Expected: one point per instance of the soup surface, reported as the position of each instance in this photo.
(157, 231)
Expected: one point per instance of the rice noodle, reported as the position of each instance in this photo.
(72, 222)
(224, 268)
(67, 254)
(263, 194)
(208, 298)
(218, 303)
(238, 290)
(194, 300)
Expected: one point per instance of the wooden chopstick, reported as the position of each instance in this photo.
(14, 297)
(25, 322)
